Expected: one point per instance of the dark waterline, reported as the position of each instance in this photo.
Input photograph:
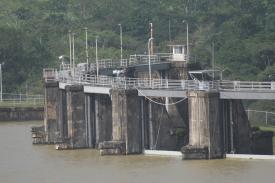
(21, 162)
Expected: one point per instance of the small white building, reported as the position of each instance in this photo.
(178, 53)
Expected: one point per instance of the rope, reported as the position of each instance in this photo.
(169, 104)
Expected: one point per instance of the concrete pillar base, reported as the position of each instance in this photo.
(112, 148)
(194, 152)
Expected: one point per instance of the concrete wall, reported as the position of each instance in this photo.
(162, 125)
(103, 118)
(262, 142)
(242, 129)
(76, 116)
(236, 126)
(21, 113)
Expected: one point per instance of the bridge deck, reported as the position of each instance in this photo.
(170, 88)
(245, 95)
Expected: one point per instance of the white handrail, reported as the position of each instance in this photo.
(164, 84)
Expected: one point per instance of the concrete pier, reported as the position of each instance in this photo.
(51, 111)
(205, 132)
(76, 117)
(126, 131)
(62, 115)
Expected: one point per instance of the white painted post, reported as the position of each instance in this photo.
(121, 56)
(73, 55)
(87, 51)
(96, 58)
(70, 45)
(266, 118)
(149, 59)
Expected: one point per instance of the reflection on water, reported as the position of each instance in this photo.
(21, 162)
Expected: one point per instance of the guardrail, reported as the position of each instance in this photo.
(14, 100)
(122, 82)
(144, 59)
(261, 118)
(50, 74)
(139, 83)
(246, 86)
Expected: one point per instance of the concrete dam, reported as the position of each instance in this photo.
(131, 107)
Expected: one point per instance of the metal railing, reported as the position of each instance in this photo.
(87, 79)
(109, 63)
(246, 86)
(24, 100)
(261, 118)
(50, 74)
(139, 83)
(144, 59)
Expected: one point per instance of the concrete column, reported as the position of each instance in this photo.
(126, 136)
(205, 129)
(103, 118)
(126, 122)
(51, 111)
(62, 115)
(76, 116)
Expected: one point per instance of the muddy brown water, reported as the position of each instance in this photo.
(22, 162)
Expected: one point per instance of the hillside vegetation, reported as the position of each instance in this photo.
(33, 33)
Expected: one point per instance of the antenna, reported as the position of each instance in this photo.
(152, 44)
(70, 45)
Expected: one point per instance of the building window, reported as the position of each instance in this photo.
(178, 50)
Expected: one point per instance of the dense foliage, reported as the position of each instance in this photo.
(33, 33)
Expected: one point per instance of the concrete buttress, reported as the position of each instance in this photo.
(126, 133)
(51, 111)
(76, 117)
(205, 128)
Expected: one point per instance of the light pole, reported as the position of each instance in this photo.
(87, 52)
(70, 44)
(96, 58)
(121, 56)
(73, 55)
(149, 57)
(151, 37)
(187, 39)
